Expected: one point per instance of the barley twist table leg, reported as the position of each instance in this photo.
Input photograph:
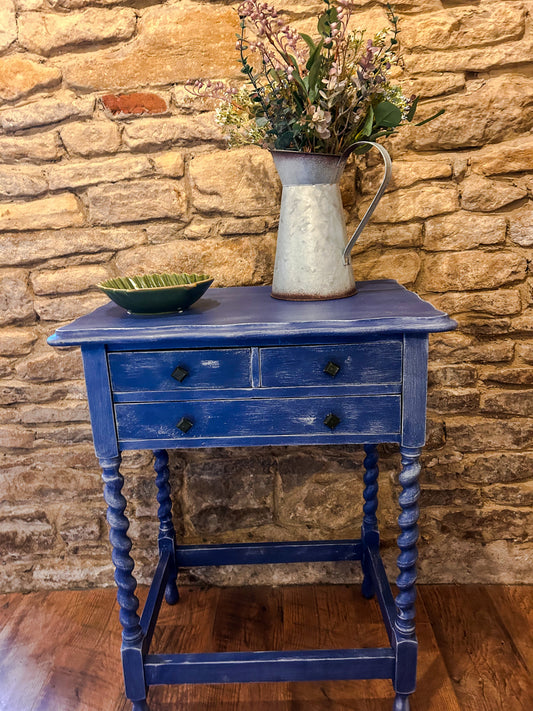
(405, 680)
(167, 534)
(369, 529)
(132, 634)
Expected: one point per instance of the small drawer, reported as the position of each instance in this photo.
(135, 371)
(374, 363)
(241, 419)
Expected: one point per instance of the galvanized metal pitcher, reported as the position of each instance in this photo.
(313, 254)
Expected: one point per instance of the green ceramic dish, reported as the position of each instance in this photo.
(156, 293)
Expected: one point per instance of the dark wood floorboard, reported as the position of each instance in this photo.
(59, 651)
(488, 671)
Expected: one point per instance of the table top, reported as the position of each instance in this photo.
(248, 315)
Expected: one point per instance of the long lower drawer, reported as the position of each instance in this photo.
(188, 421)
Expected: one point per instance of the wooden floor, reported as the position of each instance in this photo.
(59, 651)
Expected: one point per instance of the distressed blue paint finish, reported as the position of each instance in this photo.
(405, 672)
(249, 316)
(261, 553)
(253, 371)
(231, 422)
(167, 534)
(233, 667)
(361, 363)
(369, 529)
(132, 634)
(207, 369)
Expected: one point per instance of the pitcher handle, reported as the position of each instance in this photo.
(368, 214)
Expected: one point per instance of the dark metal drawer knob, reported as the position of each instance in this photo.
(332, 369)
(184, 425)
(180, 373)
(332, 421)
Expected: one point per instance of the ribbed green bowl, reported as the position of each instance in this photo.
(154, 294)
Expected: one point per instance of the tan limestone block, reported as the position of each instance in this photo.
(510, 402)
(16, 341)
(90, 138)
(8, 24)
(523, 324)
(525, 352)
(68, 307)
(75, 4)
(152, 134)
(169, 164)
(401, 265)
(406, 173)
(69, 280)
(323, 502)
(463, 230)
(45, 146)
(451, 376)
(44, 32)
(457, 401)
(137, 201)
(173, 43)
(18, 391)
(429, 85)
(505, 302)
(509, 376)
(478, 193)
(417, 202)
(459, 348)
(75, 174)
(243, 226)
(521, 226)
(460, 27)
(489, 111)
(44, 245)
(500, 468)
(232, 261)
(58, 412)
(241, 182)
(18, 180)
(62, 210)
(16, 437)
(460, 271)
(20, 76)
(189, 103)
(472, 59)
(56, 364)
(61, 106)
(507, 157)
(521, 495)
(16, 303)
(417, 6)
(400, 235)
(483, 325)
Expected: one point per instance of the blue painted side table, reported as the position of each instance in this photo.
(242, 369)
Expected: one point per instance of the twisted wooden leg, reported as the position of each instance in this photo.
(407, 540)
(369, 529)
(132, 634)
(401, 703)
(167, 534)
(406, 651)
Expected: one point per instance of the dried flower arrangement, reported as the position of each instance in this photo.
(311, 95)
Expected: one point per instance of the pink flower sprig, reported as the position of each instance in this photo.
(314, 94)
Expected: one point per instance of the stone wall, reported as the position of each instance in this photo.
(106, 169)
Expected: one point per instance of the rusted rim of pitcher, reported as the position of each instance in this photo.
(308, 297)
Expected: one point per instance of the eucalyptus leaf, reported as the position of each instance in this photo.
(387, 115)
